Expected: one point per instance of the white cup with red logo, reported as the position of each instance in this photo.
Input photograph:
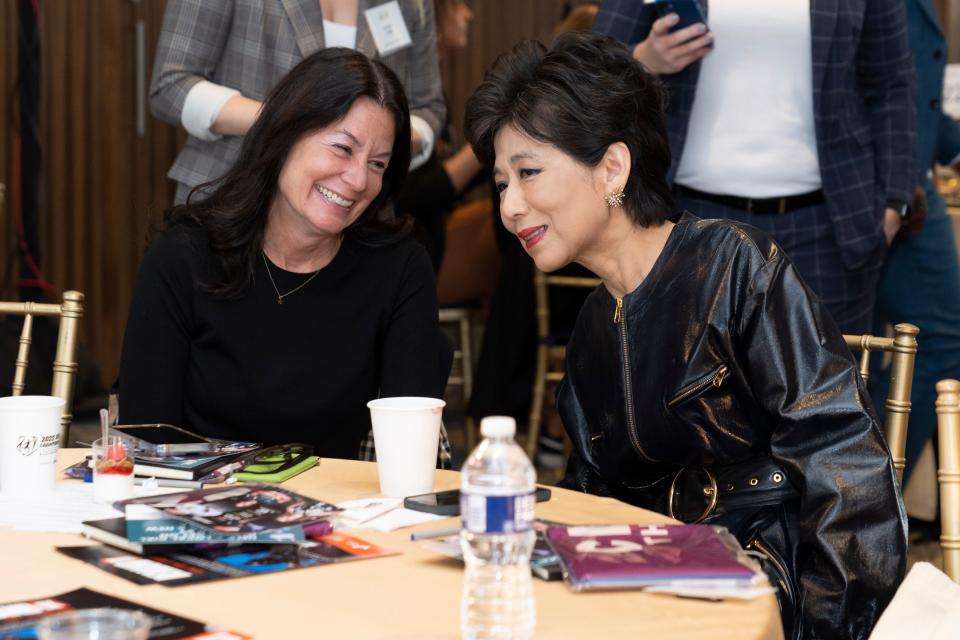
(29, 439)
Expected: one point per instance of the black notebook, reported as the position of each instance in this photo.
(181, 467)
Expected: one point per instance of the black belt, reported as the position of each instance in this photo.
(698, 492)
(755, 205)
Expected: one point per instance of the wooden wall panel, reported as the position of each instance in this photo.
(950, 19)
(8, 122)
(100, 182)
(497, 26)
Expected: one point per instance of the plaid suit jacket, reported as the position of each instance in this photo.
(864, 112)
(249, 45)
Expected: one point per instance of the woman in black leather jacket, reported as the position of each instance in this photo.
(704, 379)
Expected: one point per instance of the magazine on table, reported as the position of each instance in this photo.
(159, 534)
(237, 509)
(17, 619)
(697, 560)
(220, 562)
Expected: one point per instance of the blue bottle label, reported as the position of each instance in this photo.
(497, 514)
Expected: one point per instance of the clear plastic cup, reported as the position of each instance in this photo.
(112, 469)
(95, 624)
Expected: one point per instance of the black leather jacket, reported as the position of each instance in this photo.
(723, 356)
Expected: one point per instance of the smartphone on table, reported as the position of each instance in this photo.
(162, 440)
(447, 503)
(689, 11)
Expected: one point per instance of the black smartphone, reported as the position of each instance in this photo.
(689, 11)
(163, 439)
(447, 503)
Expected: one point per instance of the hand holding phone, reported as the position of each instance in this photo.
(677, 39)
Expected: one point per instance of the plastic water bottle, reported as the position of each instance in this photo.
(497, 504)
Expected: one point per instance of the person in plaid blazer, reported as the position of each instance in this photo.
(211, 51)
(863, 155)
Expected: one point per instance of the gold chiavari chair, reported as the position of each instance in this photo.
(65, 359)
(550, 357)
(462, 375)
(903, 346)
(948, 474)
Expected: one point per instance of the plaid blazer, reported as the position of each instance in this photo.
(864, 112)
(249, 45)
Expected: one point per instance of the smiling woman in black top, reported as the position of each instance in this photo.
(276, 308)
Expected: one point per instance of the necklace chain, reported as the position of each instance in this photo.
(281, 296)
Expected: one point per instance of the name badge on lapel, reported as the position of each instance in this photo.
(388, 28)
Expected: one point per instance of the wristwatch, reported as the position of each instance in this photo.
(901, 207)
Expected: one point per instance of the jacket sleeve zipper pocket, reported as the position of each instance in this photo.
(714, 378)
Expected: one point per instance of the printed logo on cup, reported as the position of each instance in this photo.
(29, 445)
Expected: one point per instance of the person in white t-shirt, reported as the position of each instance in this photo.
(795, 116)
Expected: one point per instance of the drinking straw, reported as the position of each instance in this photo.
(104, 424)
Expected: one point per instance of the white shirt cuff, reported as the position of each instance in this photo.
(420, 125)
(955, 161)
(202, 106)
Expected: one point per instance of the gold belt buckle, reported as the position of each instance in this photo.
(712, 491)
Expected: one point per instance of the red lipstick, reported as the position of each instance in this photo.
(531, 236)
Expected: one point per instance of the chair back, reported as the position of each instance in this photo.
(462, 374)
(550, 357)
(65, 359)
(903, 346)
(948, 474)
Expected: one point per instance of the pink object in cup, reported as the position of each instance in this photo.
(112, 469)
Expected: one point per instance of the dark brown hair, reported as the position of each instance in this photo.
(583, 94)
(320, 90)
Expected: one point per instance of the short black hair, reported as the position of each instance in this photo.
(581, 95)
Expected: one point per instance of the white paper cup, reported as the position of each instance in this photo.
(406, 434)
(29, 439)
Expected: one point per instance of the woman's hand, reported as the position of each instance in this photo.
(665, 53)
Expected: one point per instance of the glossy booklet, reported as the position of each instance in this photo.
(153, 533)
(653, 556)
(235, 509)
(17, 619)
(207, 563)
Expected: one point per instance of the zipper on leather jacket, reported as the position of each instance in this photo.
(774, 559)
(620, 320)
(714, 378)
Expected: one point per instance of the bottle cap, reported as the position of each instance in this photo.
(498, 427)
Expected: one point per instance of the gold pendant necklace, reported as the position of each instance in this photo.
(281, 296)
